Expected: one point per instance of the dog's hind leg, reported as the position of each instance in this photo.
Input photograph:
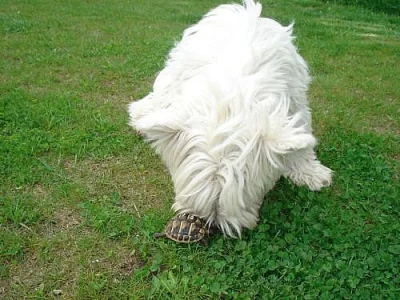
(303, 168)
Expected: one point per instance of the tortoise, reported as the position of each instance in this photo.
(184, 228)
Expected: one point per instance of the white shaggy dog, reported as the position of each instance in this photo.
(229, 115)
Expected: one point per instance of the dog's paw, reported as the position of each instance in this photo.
(315, 176)
(322, 177)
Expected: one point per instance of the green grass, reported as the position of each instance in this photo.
(387, 6)
(81, 194)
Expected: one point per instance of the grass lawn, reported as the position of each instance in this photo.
(81, 193)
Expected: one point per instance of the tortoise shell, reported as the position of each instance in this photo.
(184, 228)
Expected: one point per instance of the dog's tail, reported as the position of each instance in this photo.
(252, 5)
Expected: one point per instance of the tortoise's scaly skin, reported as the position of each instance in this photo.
(184, 228)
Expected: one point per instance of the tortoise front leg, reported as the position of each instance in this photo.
(159, 234)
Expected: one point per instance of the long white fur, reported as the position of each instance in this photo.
(229, 115)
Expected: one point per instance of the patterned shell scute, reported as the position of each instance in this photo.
(185, 228)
